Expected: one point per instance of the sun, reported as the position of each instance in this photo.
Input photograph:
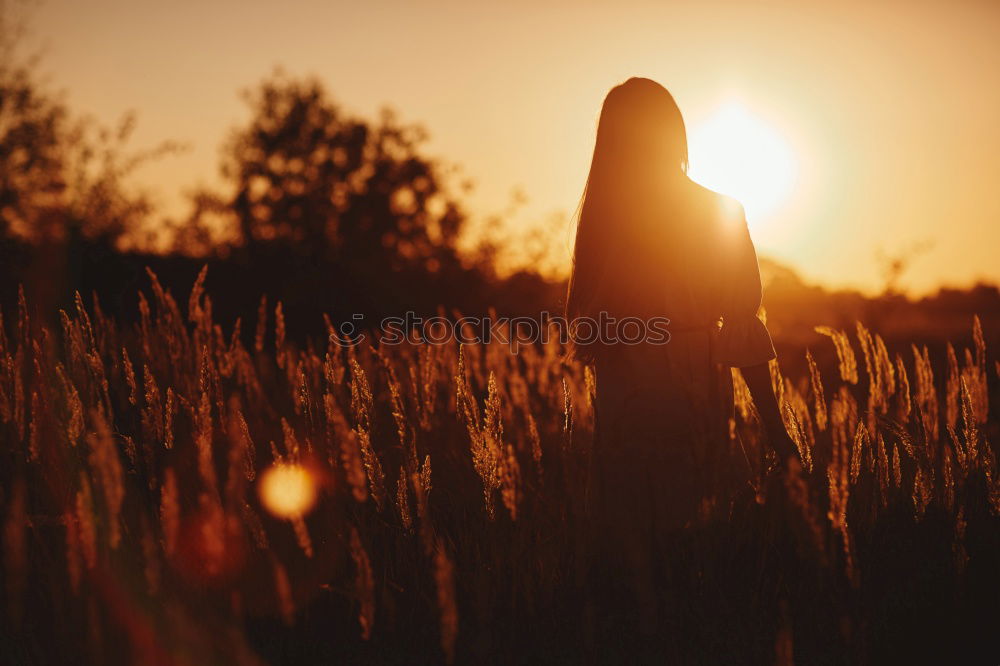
(739, 154)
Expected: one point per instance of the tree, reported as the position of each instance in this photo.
(62, 177)
(310, 179)
(33, 127)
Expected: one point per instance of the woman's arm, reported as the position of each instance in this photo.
(758, 380)
(743, 340)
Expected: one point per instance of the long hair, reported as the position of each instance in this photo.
(640, 156)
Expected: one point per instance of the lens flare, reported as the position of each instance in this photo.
(287, 490)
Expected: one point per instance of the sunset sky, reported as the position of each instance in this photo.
(878, 121)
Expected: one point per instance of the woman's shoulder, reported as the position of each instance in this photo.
(717, 212)
(715, 204)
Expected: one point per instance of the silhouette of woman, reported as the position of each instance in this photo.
(652, 243)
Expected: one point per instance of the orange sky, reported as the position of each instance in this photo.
(891, 109)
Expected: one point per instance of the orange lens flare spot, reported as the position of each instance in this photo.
(287, 490)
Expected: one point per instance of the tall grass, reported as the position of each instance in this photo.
(452, 518)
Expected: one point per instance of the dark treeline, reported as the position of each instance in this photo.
(307, 289)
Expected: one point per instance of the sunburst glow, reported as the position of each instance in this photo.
(739, 154)
(287, 490)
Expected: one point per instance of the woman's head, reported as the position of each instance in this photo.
(640, 154)
(640, 133)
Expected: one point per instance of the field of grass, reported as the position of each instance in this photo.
(156, 502)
